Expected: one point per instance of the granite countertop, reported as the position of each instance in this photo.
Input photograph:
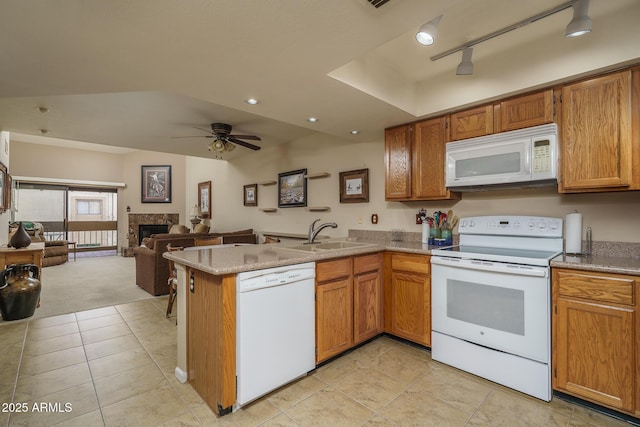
(599, 263)
(236, 259)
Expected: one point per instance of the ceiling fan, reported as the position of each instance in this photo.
(223, 140)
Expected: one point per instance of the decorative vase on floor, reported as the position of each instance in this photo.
(20, 238)
(19, 291)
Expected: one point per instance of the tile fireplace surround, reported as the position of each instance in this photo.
(136, 219)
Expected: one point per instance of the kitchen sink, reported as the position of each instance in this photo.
(324, 247)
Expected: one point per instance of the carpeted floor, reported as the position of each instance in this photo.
(87, 283)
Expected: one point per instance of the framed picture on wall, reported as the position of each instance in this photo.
(156, 184)
(251, 195)
(354, 186)
(204, 199)
(292, 189)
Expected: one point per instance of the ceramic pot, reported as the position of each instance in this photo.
(20, 238)
(19, 291)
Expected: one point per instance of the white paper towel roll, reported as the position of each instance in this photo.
(573, 233)
(425, 232)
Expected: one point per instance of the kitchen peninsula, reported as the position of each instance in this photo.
(207, 319)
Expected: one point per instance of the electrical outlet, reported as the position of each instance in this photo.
(418, 219)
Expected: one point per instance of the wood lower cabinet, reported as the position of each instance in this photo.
(597, 151)
(211, 338)
(367, 297)
(595, 338)
(348, 303)
(408, 296)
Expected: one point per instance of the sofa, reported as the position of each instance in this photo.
(55, 251)
(152, 269)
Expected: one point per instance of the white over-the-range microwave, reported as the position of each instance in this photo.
(519, 158)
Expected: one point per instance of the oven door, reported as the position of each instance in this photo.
(496, 305)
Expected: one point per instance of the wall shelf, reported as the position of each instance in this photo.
(317, 175)
(265, 183)
(318, 208)
(267, 209)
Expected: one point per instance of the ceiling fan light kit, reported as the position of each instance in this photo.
(223, 140)
(579, 25)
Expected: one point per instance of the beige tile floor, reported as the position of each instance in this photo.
(114, 367)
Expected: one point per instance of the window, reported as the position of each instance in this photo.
(89, 207)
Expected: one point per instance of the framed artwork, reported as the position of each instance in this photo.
(3, 187)
(292, 189)
(251, 195)
(204, 199)
(7, 192)
(156, 184)
(354, 186)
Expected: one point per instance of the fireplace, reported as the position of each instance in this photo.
(134, 237)
(146, 230)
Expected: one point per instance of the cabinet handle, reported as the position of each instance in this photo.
(192, 284)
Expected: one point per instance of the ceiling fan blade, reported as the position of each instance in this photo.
(202, 129)
(244, 144)
(192, 136)
(251, 137)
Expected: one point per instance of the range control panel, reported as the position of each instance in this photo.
(512, 225)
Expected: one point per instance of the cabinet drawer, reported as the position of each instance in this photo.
(334, 269)
(610, 288)
(365, 263)
(408, 262)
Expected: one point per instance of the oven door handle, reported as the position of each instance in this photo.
(494, 267)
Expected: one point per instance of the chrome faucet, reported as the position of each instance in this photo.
(314, 232)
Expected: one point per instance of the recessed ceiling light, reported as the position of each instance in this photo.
(355, 132)
(252, 101)
(312, 119)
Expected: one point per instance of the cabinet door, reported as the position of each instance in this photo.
(211, 338)
(411, 306)
(397, 162)
(524, 111)
(471, 123)
(334, 318)
(428, 160)
(367, 306)
(595, 352)
(596, 149)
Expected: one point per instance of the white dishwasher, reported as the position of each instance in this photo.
(275, 331)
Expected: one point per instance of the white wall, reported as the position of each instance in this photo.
(612, 216)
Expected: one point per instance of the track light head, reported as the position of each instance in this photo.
(581, 23)
(426, 35)
(465, 67)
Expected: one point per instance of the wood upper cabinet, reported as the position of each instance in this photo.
(595, 338)
(596, 134)
(471, 123)
(367, 297)
(334, 308)
(397, 162)
(524, 111)
(408, 296)
(519, 112)
(415, 161)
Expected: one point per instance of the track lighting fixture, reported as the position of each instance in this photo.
(426, 35)
(581, 23)
(465, 67)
